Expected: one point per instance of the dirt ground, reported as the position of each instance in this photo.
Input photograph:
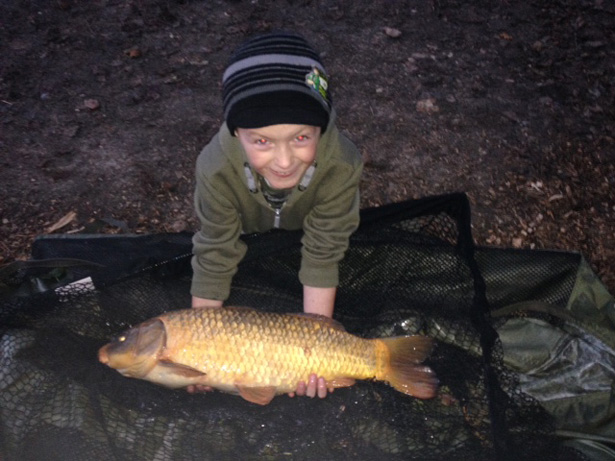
(105, 105)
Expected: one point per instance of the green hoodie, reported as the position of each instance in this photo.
(228, 203)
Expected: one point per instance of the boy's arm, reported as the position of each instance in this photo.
(318, 300)
(315, 301)
(201, 302)
(334, 216)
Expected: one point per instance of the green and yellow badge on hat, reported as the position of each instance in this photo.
(317, 80)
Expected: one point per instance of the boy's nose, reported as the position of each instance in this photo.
(284, 157)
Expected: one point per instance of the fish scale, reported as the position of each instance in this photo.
(247, 346)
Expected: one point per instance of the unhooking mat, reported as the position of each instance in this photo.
(524, 355)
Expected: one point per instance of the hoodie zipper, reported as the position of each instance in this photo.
(305, 181)
(276, 218)
(252, 186)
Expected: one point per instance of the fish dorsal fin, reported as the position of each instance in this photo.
(258, 395)
(239, 308)
(323, 319)
(328, 321)
(180, 370)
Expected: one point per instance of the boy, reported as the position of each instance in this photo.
(277, 162)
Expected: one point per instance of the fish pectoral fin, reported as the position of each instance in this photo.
(341, 382)
(259, 395)
(180, 370)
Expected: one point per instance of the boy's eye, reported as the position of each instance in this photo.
(302, 138)
(261, 141)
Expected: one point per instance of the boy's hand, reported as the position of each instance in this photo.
(315, 386)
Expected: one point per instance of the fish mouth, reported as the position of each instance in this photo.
(103, 355)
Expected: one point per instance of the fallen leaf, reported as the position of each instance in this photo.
(392, 32)
(595, 44)
(179, 226)
(64, 221)
(537, 45)
(510, 115)
(447, 399)
(427, 105)
(536, 185)
(91, 104)
(75, 231)
(133, 52)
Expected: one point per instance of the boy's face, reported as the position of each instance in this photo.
(280, 153)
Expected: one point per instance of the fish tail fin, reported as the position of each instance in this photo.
(404, 370)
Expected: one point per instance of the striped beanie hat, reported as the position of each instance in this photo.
(274, 79)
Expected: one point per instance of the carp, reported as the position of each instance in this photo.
(259, 355)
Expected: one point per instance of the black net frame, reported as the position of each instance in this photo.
(411, 268)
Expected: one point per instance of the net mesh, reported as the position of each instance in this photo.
(410, 269)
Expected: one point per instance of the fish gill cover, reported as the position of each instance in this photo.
(410, 269)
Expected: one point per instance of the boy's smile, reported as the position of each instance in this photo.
(280, 153)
